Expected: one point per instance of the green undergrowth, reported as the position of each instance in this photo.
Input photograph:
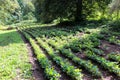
(49, 71)
(14, 62)
(79, 44)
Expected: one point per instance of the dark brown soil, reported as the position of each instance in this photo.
(108, 48)
(86, 74)
(119, 37)
(37, 71)
(80, 55)
(106, 75)
(64, 76)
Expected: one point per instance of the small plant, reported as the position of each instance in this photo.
(112, 39)
(114, 56)
(111, 66)
(115, 26)
(75, 46)
(49, 71)
(82, 63)
(65, 41)
(65, 65)
(97, 51)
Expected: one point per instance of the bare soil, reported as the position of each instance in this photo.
(64, 76)
(106, 75)
(109, 48)
(37, 71)
(105, 46)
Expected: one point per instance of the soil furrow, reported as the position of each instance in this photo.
(106, 75)
(64, 76)
(37, 71)
(86, 74)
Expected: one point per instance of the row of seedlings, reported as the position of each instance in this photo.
(49, 71)
(101, 52)
(64, 64)
(114, 40)
(74, 43)
(111, 66)
(114, 56)
(63, 41)
(77, 44)
(52, 33)
(82, 63)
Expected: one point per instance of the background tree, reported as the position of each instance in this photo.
(48, 10)
(75, 10)
(9, 11)
(115, 7)
(27, 9)
(12, 11)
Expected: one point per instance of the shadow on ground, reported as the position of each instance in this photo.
(9, 37)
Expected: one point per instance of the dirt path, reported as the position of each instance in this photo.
(37, 71)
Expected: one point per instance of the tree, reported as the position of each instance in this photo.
(12, 11)
(37, 5)
(115, 5)
(78, 16)
(54, 9)
(9, 11)
(27, 8)
(75, 10)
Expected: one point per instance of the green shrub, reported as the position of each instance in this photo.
(115, 26)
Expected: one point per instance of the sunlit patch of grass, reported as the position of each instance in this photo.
(13, 57)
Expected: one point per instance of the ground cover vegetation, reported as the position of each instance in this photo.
(60, 40)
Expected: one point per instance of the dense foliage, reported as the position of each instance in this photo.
(12, 11)
(9, 12)
(75, 49)
(71, 9)
(81, 41)
(47, 11)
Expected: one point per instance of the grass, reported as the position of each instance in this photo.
(13, 57)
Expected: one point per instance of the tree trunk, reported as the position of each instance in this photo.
(78, 16)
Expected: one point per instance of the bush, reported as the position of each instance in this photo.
(115, 26)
